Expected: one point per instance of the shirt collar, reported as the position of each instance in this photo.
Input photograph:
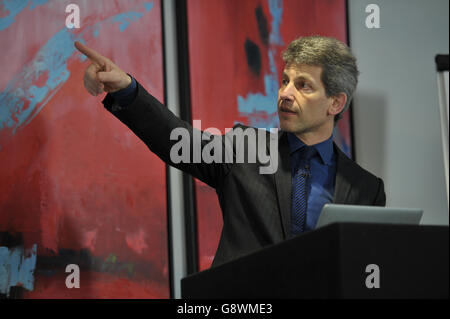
(325, 148)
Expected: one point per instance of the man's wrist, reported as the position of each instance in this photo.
(126, 96)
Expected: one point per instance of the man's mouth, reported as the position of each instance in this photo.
(287, 110)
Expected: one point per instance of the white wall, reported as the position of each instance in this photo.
(396, 111)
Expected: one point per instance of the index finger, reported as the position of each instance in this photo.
(93, 55)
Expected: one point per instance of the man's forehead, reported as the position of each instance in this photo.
(303, 70)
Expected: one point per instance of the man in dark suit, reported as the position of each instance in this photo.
(318, 81)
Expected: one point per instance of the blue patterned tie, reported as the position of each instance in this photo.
(300, 190)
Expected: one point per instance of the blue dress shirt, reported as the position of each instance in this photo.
(320, 188)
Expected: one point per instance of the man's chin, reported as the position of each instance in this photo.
(288, 127)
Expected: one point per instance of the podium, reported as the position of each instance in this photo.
(339, 261)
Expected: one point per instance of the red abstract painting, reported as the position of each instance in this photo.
(74, 181)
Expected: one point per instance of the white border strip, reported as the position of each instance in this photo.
(178, 249)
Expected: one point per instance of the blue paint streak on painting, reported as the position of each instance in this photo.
(51, 59)
(14, 7)
(22, 100)
(17, 267)
(256, 104)
(276, 9)
(35, 3)
(148, 6)
(126, 18)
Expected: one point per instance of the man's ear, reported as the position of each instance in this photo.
(337, 103)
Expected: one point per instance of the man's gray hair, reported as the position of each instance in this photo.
(339, 70)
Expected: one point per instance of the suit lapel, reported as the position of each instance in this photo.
(344, 178)
(283, 182)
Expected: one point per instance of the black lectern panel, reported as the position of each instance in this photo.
(346, 260)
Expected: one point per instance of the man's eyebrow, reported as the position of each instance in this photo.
(300, 77)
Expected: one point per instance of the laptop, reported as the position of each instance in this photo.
(335, 213)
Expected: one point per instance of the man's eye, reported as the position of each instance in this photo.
(304, 85)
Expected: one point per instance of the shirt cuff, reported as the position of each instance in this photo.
(126, 96)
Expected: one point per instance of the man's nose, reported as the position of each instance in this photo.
(287, 93)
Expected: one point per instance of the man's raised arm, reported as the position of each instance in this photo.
(152, 122)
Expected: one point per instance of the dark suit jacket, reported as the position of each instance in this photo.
(256, 208)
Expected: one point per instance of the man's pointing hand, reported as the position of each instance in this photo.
(102, 75)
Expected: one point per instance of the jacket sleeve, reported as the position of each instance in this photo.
(153, 123)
